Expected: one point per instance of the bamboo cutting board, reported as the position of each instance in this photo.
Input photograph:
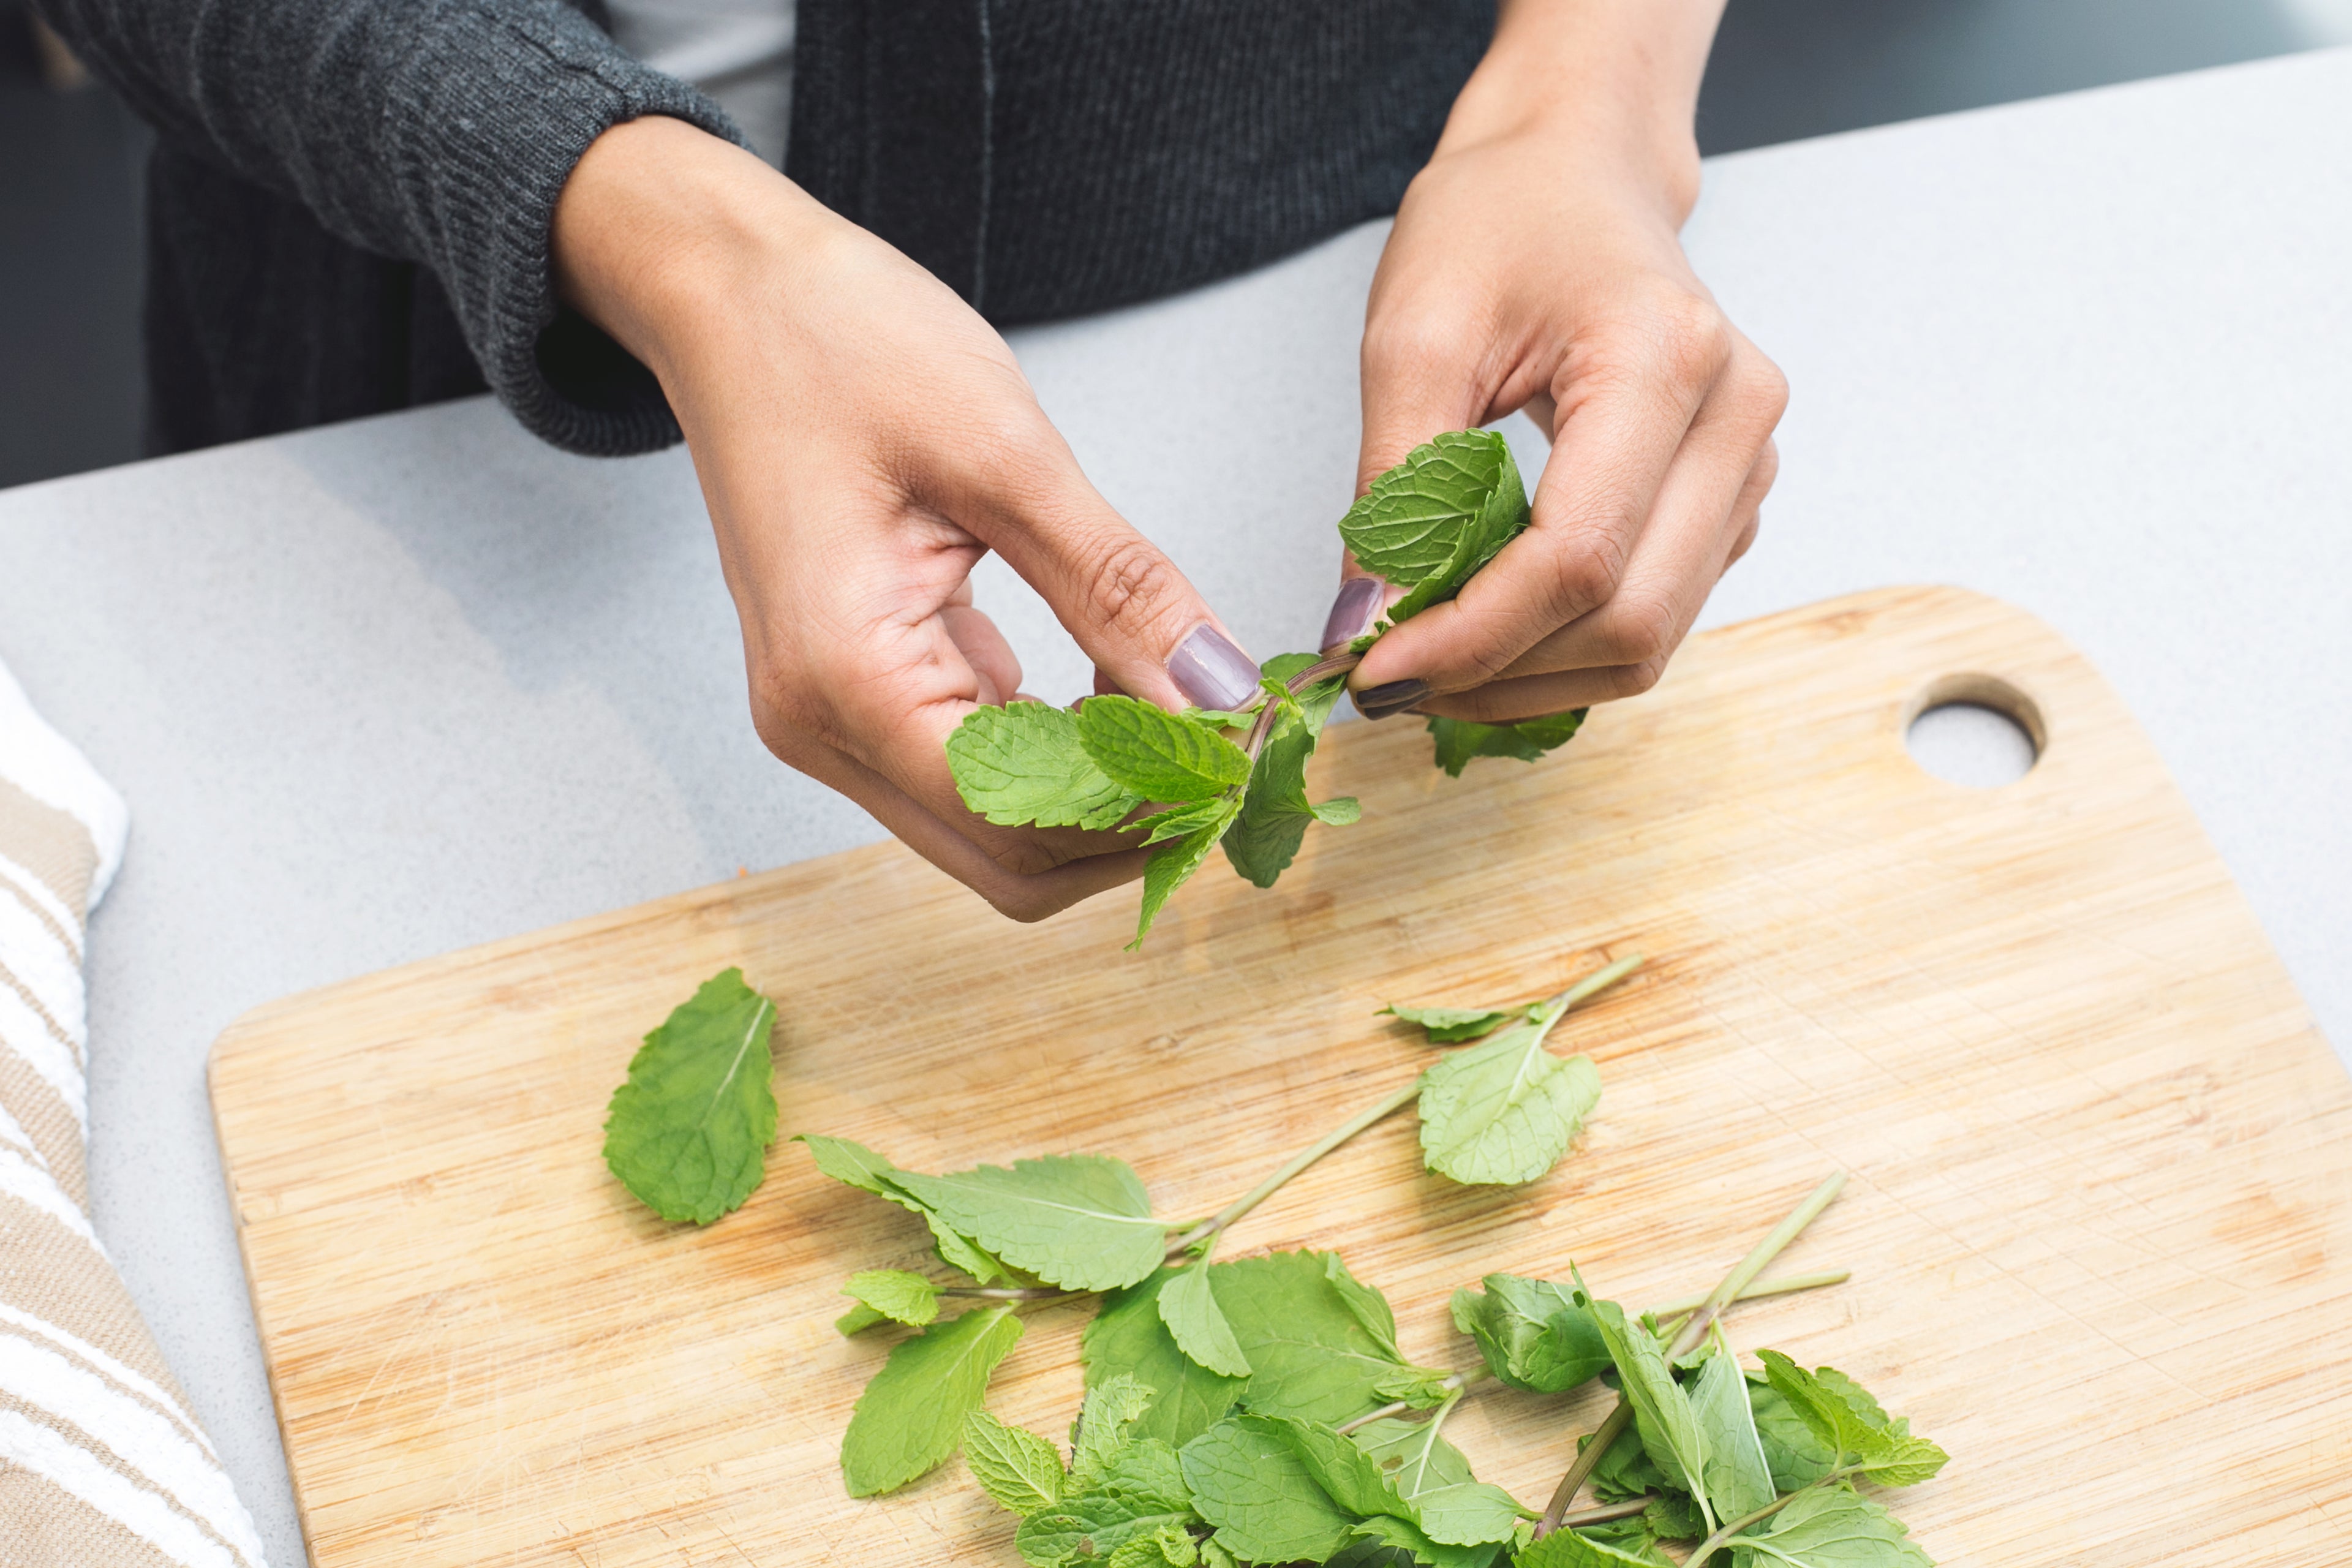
(2100, 1219)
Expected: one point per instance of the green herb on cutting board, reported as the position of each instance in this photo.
(1238, 780)
(689, 1130)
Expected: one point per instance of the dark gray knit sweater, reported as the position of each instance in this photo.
(349, 200)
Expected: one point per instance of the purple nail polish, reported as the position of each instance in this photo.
(1211, 671)
(1353, 612)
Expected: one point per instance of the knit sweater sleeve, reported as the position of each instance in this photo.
(438, 132)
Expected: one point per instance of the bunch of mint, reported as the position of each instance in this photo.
(1238, 779)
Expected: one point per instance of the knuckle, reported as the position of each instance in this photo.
(1131, 586)
(1638, 629)
(1633, 679)
(1587, 576)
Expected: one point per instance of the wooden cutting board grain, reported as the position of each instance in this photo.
(2100, 1219)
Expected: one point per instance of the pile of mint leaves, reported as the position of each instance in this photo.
(1238, 779)
(1258, 1409)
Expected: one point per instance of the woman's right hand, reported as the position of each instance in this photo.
(862, 437)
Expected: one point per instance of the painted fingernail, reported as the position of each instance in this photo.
(1211, 671)
(1381, 701)
(1353, 612)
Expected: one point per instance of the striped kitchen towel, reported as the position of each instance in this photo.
(102, 1465)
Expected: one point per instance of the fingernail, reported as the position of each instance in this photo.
(1211, 671)
(1353, 613)
(1381, 701)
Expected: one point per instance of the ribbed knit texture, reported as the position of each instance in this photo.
(431, 133)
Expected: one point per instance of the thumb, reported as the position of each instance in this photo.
(1118, 594)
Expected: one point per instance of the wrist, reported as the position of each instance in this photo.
(665, 233)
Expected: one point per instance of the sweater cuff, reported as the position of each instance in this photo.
(557, 89)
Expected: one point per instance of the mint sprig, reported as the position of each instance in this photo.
(1183, 780)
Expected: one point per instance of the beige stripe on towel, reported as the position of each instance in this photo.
(102, 1464)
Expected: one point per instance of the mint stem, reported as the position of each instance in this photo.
(1457, 1382)
(1321, 669)
(1257, 1194)
(1605, 1512)
(1787, 1285)
(1686, 1338)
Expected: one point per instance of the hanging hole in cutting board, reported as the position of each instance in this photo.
(1975, 729)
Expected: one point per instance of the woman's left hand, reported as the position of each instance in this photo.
(1536, 264)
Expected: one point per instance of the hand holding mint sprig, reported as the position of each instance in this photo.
(1194, 780)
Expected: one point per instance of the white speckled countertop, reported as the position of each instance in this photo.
(385, 689)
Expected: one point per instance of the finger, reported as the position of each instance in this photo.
(1625, 404)
(1026, 885)
(1125, 602)
(984, 648)
(1356, 608)
(1536, 696)
(1707, 500)
(1416, 385)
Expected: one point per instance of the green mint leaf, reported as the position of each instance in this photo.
(1140, 1494)
(1851, 1423)
(1468, 1513)
(1316, 702)
(1274, 813)
(1158, 755)
(1348, 1477)
(1173, 865)
(1181, 821)
(856, 1165)
(1461, 742)
(1079, 1221)
(1219, 719)
(1312, 1356)
(1435, 519)
(1532, 1332)
(1216, 1556)
(1738, 1476)
(1022, 763)
(1674, 1516)
(1662, 1411)
(1575, 1549)
(1796, 1454)
(1367, 1306)
(911, 1416)
(1633, 1536)
(857, 1320)
(901, 1297)
(1627, 1471)
(689, 1130)
(1452, 1026)
(1016, 1468)
(1340, 811)
(1101, 1432)
(1402, 1535)
(1830, 1528)
(1506, 1110)
(1413, 1454)
(1170, 1546)
(1188, 1307)
(1128, 1337)
(1246, 1479)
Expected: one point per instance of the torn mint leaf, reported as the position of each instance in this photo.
(1461, 742)
(1504, 1112)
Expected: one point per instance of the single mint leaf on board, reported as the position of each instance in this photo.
(1245, 1480)
(1311, 1355)
(1188, 1307)
(1461, 742)
(1795, 1452)
(1435, 519)
(1574, 1548)
(1022, 763)
(901, 1297)
(1141, 1494)
(1079, 1221)
(856, 1165)
(1100, 1434)
(1738, 1476)
(1846, 1419)
(689, 1130)
(1452, 1026)
(1173, 865)
(1159, 755)
(1830, 1527)
(911, 1416)
(1128, 1336)
(1534, 1335)
(1016, 1468)
(1404, 1535)
(1504, 1112)
(1662, 1411)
